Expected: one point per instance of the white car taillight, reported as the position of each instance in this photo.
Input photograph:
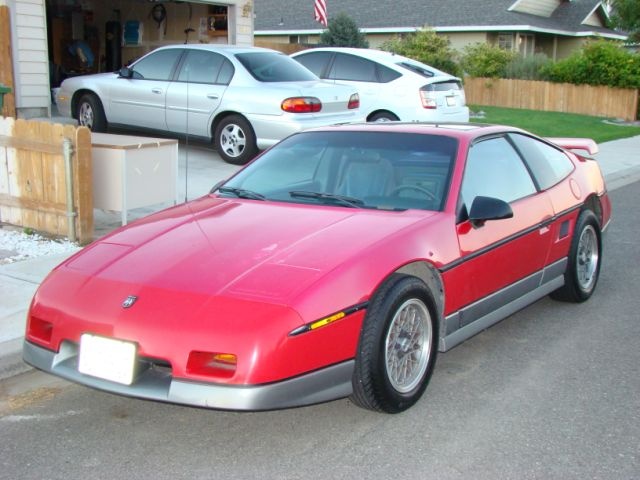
(301, 105)
(354, 101)
(428, 101)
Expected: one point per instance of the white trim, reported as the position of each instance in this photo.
(592, 12)
(514, 5)
(491, 28)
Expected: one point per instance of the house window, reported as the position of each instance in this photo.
(505, 41)
(303, 39)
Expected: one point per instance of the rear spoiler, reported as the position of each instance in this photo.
(576, 144)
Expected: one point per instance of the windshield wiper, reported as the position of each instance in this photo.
(242, 193)
(329, 197)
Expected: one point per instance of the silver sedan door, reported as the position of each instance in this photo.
(140, 100)
(197, 92)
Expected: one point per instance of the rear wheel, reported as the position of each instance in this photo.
(383, 117)
(585, 257)
(235, 140)
(397, 349)
(91, 114)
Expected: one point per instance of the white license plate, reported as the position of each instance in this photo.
(451, 101)
(107, 358)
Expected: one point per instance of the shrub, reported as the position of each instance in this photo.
(342, 31)
(427, 47)
(599, 62)
(528, 68)
(485, 60)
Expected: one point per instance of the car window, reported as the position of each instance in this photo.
(387, 171)
(201, 67)
(274, 67)
(443, 86)
(315, 61)
(494, 169)
(386, 74)
(350, 67)
(158, 65)
(548, 164)
(226, 73)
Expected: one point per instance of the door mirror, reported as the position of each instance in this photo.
(488, 208)
(126, 72)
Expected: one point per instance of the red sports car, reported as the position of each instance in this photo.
(336, 264)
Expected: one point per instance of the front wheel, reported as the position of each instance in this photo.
(91, 114)
(398, 345)
(235, 140)
(583, 269)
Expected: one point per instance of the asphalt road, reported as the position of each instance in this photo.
(552, 392)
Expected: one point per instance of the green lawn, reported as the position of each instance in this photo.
(555, 124)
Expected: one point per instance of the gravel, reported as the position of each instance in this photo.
(16, 246)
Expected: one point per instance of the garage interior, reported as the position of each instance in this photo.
(92, 36)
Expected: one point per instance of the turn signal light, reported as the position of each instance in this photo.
(39, 329)
(221, 365)
(302, 105)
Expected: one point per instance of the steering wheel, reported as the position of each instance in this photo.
(416, 188)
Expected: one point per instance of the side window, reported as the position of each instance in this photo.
(386, 74)
(226, 73)
(201, 67)
(157, 66)
(494, 169)
(316, 61)
(349, 67)
(548, 164)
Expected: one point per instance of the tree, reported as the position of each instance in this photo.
(427, 47)
(342, 31)
(625, 14)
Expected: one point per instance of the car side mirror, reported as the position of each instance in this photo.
(488, 208)
(126, 72)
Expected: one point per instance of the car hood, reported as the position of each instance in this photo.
(254, 250)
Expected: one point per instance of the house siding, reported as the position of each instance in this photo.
(542, 8)
(31, 63)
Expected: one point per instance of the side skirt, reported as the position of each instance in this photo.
(479, 316)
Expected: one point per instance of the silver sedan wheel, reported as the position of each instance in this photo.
(588, 257)
(408, 345)
(86, 115)
(233, 140)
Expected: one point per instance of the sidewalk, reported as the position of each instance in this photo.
(199, 169)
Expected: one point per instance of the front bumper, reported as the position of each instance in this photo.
(329, 383)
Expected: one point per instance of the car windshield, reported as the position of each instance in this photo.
(274, 67)
(375, 170)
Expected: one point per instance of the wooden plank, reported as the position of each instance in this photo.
(83, 183)
(31, 204)
(28, 144)
(6, 63)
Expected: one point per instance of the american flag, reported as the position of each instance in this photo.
(320, 7)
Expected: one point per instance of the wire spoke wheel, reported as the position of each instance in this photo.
(407, 345)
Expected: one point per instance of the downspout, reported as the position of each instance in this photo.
(67, 152)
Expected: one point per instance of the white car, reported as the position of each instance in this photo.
(243, 98)
(391, 87)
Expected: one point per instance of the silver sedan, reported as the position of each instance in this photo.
(244, 99)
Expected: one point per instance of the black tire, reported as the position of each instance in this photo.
(91, 114)
(585, 257)
(235, 140)
(383, 117)
(376, 386)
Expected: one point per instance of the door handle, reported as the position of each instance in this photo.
(213, 96)
(156, 90)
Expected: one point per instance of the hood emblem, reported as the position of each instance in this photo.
(129, 301)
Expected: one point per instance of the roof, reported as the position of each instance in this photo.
(291, 17)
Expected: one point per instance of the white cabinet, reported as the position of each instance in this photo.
(132, 172)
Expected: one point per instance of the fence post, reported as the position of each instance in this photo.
(67, 151)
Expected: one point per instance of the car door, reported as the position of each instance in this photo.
(498, 254)
(140, 100)
(361, 74)
(196, 94)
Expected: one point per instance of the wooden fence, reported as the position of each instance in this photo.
(553, 97)
(6, 63)
(33, 187)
